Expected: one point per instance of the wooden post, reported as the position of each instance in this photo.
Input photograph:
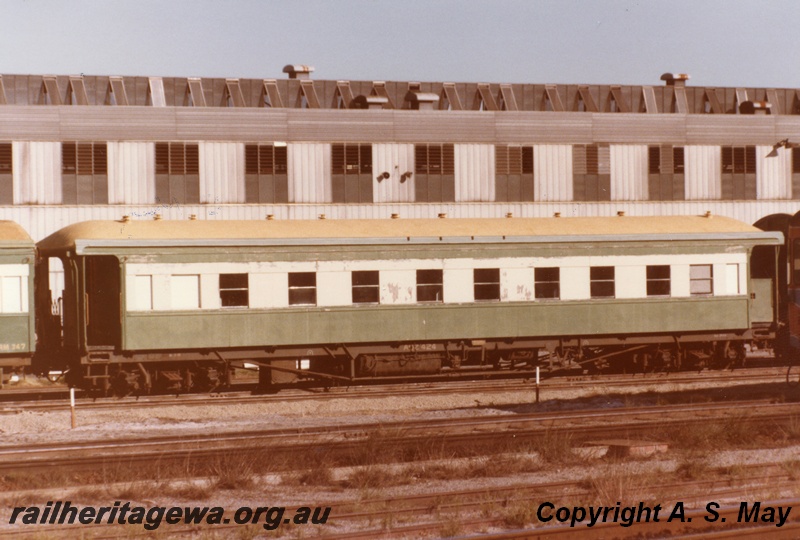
(72, 406)
(537, 384)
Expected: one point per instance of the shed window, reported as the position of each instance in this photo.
(487, 284)
(434, 173)
(795, 160)
(602, 281)
(177, 173)
(233, 290)
(366, 287)
(6, 170)
(266, 179)
(430, 286)
(351, 158)
(678, 166)
(654, 159)
(739, 159)
(5, 158)
(658, 280)
(302, 289)
(547, 283)
(351, 173)
(84, 173)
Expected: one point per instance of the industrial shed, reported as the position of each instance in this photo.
(75, 148)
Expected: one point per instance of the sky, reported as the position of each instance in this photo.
(747, 43)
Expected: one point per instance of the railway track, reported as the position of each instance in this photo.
(434, 510)
(749, 375)
(579, 426)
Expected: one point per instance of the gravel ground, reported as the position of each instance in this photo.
(54, 426)
(217, 416)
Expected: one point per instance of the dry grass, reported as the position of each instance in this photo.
(693, 469)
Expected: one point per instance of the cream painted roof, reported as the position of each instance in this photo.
(10, 232)
(166, 232)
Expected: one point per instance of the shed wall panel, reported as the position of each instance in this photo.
(474, 171)
(703, 172)
(773, 174)
(309, 173)
(552, 172)
(396, 159)
(131, 173)
(221, 173)
(37, 172)
(629, 180)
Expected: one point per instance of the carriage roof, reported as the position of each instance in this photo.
(297, 232)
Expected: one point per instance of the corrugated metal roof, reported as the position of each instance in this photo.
(165, 233)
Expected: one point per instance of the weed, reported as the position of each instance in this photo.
(792, 468)
(371, 477)
(555, 447)
(693, 469)
(518, 514)
(451, 527)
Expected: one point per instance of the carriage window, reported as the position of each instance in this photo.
(796, 261)
(700, 279)
(658, 280)
(185, 292)
(487, 284)
(366, 287)
(430, 286)
(601, 280)
(143, 299)
(233, 290)
(547, 283)
(11, 294)
(732, 278)
(302, 289)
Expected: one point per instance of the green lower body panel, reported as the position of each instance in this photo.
(16, 339)
(291, 327)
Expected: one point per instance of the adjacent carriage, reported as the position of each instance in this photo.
(161, 303)
(17, 335)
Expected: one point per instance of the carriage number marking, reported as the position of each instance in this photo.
(420, 347)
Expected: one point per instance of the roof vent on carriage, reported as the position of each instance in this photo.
(675, 79)
(298, 71)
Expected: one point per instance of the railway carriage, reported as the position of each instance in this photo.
(177, 303)
(17, 334)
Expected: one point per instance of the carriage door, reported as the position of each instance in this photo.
(102, 300)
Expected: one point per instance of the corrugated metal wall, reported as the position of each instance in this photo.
(474, 168)
(131, 173)
(37, 172)
(396, 159)
(629, 172)
(552, 172)
(221, 172)
(773, 173)
(703, 172)
(309, 172)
